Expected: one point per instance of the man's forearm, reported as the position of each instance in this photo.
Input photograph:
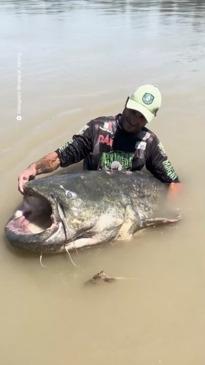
(48, 163)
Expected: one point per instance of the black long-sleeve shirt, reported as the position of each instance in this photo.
(104, 144)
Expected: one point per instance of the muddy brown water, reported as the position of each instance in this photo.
(63, 63)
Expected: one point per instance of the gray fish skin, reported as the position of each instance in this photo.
(85, 209)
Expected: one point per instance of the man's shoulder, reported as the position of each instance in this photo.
(106, 124)
(148, 135)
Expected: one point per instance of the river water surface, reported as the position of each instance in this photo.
(63, 63)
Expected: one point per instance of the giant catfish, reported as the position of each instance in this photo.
(64, 212)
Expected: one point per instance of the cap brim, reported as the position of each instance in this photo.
(131, 104)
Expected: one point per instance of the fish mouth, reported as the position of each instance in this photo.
(36, 222)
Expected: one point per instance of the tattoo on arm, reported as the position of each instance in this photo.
(48, 163)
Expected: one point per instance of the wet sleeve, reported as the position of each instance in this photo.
(79, 147)
(158, 163)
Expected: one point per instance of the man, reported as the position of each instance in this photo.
(120, 142)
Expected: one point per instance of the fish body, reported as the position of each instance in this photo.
(64, 212)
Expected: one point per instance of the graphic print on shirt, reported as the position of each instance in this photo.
(169, 170)
(162, 149)
(105, 139)
(116, 160)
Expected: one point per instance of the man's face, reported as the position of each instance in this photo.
(132, 120)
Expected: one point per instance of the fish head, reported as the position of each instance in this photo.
(48, 217)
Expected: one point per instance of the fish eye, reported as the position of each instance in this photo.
(68, 193)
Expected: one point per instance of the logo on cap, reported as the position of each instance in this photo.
(147, 98)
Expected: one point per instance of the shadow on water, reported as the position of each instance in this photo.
(179, 11)
(191, 8)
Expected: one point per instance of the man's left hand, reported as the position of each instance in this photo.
(174, 191)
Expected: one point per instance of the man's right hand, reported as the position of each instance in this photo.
(25, 176)
(47, 163)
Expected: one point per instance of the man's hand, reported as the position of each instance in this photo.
(174, 191)
(48, 163)
(25, 176)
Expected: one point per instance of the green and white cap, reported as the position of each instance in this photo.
(146, 100)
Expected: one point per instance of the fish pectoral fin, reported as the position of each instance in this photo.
(130, 224)
(100, 237)
(104, 230)
(159, 220)
(86, 234)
